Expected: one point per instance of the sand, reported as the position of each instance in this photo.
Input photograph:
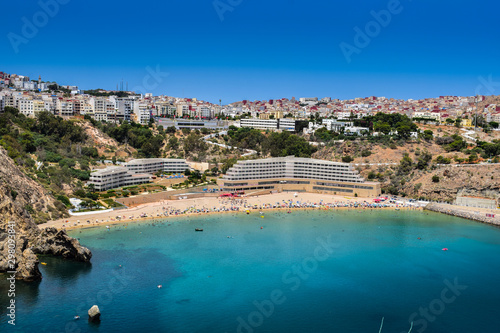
(155, 210)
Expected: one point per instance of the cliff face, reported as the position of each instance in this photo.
(476, 181)
(20, 198)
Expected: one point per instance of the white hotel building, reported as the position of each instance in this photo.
(297, 175)
(152, 165)
(114, 177)
(134, 172)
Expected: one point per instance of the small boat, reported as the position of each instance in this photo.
(198, 229)
(76, 317)
(445, 249)
(44, 263)
(160, 286)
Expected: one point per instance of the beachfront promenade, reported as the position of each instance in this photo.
(212, 205)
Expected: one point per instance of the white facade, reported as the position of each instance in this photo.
(152, 165)
(114, 177)
(293, 167)
(25, 106)
(262, 124)
(143, 114)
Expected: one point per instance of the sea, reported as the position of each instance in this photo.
(303, 271)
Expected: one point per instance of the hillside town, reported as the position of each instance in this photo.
(31, 96)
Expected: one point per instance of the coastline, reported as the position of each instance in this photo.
(168, 209)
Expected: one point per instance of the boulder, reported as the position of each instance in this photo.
(94, 314)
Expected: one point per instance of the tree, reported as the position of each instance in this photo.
(347, 159)
(442, 160)
(404, 131)
(173, 143)
(473, 158)
(228, 164)
(91, 187)
(322, 134)
(171, 130)
(435, 179)
(428, 135)
(405, 165)
(113, 159)
(384, 128)
(494, 124)
(423, 160)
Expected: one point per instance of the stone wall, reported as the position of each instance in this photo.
(480, 215)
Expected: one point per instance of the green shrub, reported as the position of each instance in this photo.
(64, 199)
(347, 159)
(366, 153)
(79, 193)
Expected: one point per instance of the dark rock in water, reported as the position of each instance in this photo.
(58, 243)
(94, 314)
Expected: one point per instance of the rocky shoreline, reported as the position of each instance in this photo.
(466, 212)
(21, 240)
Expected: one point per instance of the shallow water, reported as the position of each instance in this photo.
(308, 271)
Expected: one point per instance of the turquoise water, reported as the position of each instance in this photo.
(321, 271)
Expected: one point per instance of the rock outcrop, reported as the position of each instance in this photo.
(58, 243)
(475, 181)
(94, 314)
(21, 198)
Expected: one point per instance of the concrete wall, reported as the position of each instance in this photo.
(167, 195)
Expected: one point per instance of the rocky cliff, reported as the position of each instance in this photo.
(476, 181)
(21, 198)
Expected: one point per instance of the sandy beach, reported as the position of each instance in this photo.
(211, 205)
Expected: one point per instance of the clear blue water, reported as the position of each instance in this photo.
(333, 271)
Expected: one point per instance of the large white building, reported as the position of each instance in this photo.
(298, 175)
(152, 165)
(25, 106)
(134, 172)
(269, 124)
(114, 177)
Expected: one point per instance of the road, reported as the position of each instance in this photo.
(249, 152)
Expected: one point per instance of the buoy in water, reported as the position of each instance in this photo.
(262, 227)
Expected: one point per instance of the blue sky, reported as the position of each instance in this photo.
(260, 49)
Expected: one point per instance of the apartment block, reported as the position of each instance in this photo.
(152, 165)
(114, 177)
(297, 175)
(135, 172)
(269, 124)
